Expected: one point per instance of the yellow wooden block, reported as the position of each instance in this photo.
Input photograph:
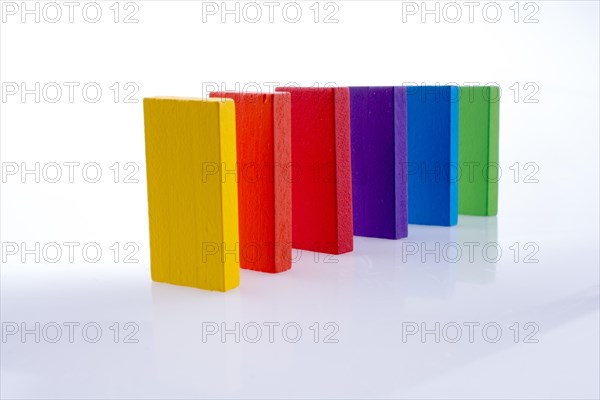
(192, 192)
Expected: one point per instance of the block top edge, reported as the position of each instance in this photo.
(480, 86)
(224, 94)
(308, 89)
(187, 99)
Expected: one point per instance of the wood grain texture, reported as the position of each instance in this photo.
(432, 155)
(379, 184)
(192, 201)
(478, 150)
(263, 130)
(321, 170)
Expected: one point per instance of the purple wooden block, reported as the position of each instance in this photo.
(379, 181)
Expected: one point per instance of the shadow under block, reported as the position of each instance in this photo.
(264, 156)
(321, 172)
(379, 183)
(479, 115)
(192, 201)
(432, 155)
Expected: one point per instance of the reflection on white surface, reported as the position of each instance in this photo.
(474, 231)
(370, 295)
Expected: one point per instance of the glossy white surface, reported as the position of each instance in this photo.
(372, 295)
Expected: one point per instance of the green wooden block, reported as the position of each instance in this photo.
(479, 112)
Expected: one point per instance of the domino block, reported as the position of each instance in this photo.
(379, 182)
(263, 131)
(432, 155)
(479, 116)
(192, 201)
(321, 172)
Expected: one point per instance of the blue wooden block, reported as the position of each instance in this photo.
(432, 155)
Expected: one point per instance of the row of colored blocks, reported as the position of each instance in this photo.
(240, 179)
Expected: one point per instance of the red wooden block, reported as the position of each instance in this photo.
(263, 124)
(321, 173)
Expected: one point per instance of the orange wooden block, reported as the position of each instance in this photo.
(263, 126)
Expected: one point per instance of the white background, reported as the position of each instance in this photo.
(373, 294)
